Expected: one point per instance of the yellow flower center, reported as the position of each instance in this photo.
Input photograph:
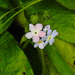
(49, 37)
(39, 41)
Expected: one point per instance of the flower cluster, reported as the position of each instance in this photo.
(41, 37)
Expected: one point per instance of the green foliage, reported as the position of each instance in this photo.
(70, 4)
(57, 60)
(15, 3)
(67, 51)
(63, 20)
(2, 20)
(6, 4)
(36, 59)
(4, 23)
(23, 39)
(21, 19)
(50, 69)
(12, 59)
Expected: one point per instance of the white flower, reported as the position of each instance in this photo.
(36, 32)
(39, 44)
(50, 36)
(46, 28)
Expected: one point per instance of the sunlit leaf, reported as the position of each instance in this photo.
(57, 60)
(12, 59)
(50, 69)
(70, 4)
(67, 51)
(49, 12)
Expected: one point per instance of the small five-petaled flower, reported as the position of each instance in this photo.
(41, 37)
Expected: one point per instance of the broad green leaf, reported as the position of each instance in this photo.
(57, 60)
(13, 61)
(49, 12)
(70, 4)
(3, 26)
(50, 69)
(67, 51)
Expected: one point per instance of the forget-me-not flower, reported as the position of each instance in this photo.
(50, 36)
(36, 32)
(39, 44)
(47, 27)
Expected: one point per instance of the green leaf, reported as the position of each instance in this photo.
(59, 18)
(23, 39)
(6, 4)
(3, 24)
(27, 28)
(67, 51)
(22, 3)
(57, 60)
(15, 2)
(21, 19)
(50, 69)
(35, 57)
(3, 19)
(70, 4)
(13, 61)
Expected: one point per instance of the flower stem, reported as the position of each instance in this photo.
(25, 44)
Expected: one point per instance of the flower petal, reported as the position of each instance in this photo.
(35, 38)
(42, 34)
(41, 45)
(36, 45)
(46, 28)
(28, 35)
(46, 42)
(38, 26)
(54, 33)
(31, 27)
(51, 41)
(44, 38)
(49, 32)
